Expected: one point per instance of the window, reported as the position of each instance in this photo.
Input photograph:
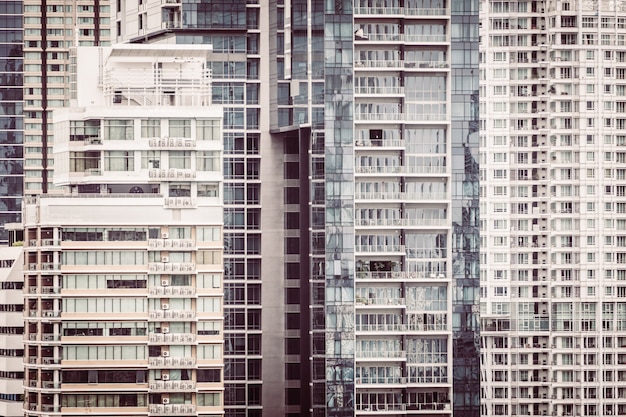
(118, 130)
(119, 161)
(179, 128)
(150, 128)
(207, 129)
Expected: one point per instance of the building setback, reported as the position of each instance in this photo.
(552, 100)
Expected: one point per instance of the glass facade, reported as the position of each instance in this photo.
(339, 186)
(11, 117)
(465, 208)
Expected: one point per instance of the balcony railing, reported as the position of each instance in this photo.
(398, 169)
(399, 63)
(379, 301)
(381, 354)
(379, 90)
(417, 117)
(380, 248)
(401, 222)
(400, 196)
(411, 11)
(397, 275)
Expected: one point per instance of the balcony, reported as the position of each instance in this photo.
(382, 380)
(401, 249)
(401, 37)
(400, 222)
(364, 275)
(395, 11)
(398, 354)
(418, 197)
(374, 409)
(386, 302)
(398, 169)
(397, 90)
(398, 63)
(380, 143)
(409, 117)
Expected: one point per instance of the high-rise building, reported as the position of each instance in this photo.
(12, 331)
(51, 28)
(11, 117)
(553, 102)
(351, 135)
(124, 269)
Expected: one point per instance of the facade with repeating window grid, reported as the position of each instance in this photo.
(123, 280)
(552, 163)
(351, 134)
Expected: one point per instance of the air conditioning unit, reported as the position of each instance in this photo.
(165, 235)
(165, 306)
(165, 258)
(165, 329)
(165, 377)
(165, 400)
(165, 283)
(165, 353)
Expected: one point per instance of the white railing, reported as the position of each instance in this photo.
(375, 195)
(381, 354)
(380, 248)
(397, 275)
(379, 90)
(401, 222)
(399, 169)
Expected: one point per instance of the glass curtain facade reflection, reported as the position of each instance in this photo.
(339, 174)
(365, 115)
(11, 118)
(465, 209)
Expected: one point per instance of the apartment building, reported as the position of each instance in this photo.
(124, 269)
(351, 134)
(11, 329)
(552, 97)
(11, 119)
(51, 28)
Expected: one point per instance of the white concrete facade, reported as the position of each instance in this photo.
(11, 325)
(124, 295)
(552, 213)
